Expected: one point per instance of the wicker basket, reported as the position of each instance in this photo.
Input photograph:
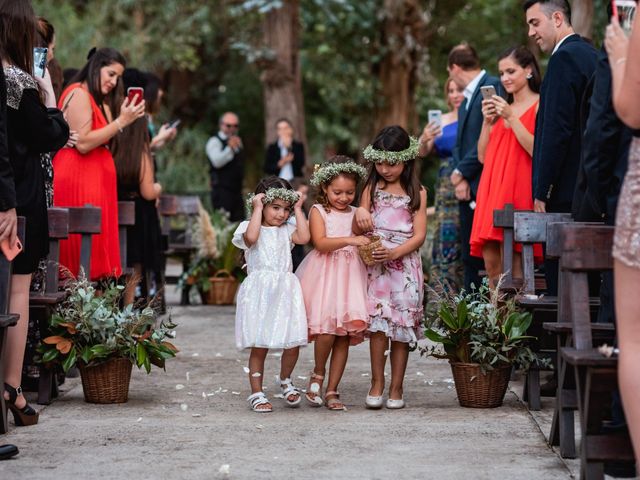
(223, 289)
(478, 390)
(106, 382)
(366, 251)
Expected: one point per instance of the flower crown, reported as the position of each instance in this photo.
(392, 158)
(272, 194)
(327, 171)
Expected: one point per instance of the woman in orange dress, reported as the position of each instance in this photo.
(86, 174)
(505, 147)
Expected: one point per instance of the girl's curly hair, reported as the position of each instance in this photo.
(321, 196)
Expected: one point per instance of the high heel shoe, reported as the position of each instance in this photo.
(25, 416)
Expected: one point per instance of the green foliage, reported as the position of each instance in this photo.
(89, 326)
(478, 327)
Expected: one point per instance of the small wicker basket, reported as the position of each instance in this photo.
(480, 390)
(223, 288)
(106, 382)
(366, 251)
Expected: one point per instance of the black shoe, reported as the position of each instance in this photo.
(8, 451)
(620, 469)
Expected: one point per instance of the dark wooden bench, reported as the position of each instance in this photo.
(126, 219)
(86, 221)
(167, 208)
(7, 320)
(587, 248)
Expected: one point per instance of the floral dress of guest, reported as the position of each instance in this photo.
(446, 257)
(395, 288)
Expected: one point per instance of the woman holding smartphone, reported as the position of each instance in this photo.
(446, 256)
(505, 147)
(86, 174)
(34, 126)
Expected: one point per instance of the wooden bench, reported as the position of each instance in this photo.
(587, 248)
(167, 208)
(126, 219)
(7, 320)
(85, 221)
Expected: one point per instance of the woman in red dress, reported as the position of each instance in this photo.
(86, 174)
(505, 147)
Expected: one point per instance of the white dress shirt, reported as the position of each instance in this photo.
(561, 42)
(219, 156)
(472, 86)
(286, 171)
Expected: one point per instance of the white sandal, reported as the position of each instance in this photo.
(257, 399)
(287, 388)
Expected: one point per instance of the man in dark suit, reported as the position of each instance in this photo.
(285, 156)
(464, 69)
(557, 144)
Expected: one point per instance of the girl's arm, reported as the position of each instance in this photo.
(301, 236)
(149, 189)
(79, 116)
(253, 229)
(325, 244)
(415, 242)
(489, 117)
(362, 221)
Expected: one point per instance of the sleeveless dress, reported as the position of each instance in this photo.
(446, 256)
(270, 309)
(334, 284)
(395, 289)
(90, 178)
(506, 178)
(626, 242)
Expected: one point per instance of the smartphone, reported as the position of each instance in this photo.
(9, 252)
(488, 92)
(39, 61)
(175, 123)
(625, 12)
(132, 92)
(435, 117)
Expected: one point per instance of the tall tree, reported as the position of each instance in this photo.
(582, 17)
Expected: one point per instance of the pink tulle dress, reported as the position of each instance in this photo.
(334, 284)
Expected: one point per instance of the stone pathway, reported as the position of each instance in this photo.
(205, 428)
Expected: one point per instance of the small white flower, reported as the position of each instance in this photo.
(364, 374)
(218, 354)
(225, 390)
(420, 374)
(301, 377)
(225, 469)
(204, 395)
(187, 375)
(235, 393)
(195, 355)
(184, 407)
(139, 419)
(179, 386)
(246, 369)
(196, 415)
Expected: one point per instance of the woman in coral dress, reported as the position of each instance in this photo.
(505, 147)
(86, 174)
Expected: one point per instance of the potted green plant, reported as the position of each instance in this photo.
(213, 271)
(483, 335)
(90, 330)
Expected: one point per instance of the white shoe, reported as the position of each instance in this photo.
(373, 403)
(395, 404)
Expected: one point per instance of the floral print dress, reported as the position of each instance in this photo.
(395, 289)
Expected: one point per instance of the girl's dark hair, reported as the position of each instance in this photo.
(18, 33)
(523, 57)
(395, 139)
(321, 195)
(272, 182)
(152, 92)
(46, 32)
(128, 149)
(90, 73)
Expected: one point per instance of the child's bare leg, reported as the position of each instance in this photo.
(399, 358)
(339, 356)
(378, 344)
(321, 351)
(256, 365)
(287, 364)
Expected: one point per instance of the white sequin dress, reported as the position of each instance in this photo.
(270, 310)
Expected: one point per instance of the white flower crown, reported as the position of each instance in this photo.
(392, 158)
(327, 171)
(272, 194)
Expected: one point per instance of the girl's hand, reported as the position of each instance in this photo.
(359, 240)
(129, 112)
(616, 43)
(383, 254)
(364, 220)
(256, 202)
(303, 198)
(73, 139)
(503, 109)
(489, 111)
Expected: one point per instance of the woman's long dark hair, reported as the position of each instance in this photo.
(90, 74)
(18, 33)
(128, 149)
(395, 139)
(523, 57)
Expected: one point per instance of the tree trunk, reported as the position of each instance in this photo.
(281, 76)
(582, 17)
(403, 33)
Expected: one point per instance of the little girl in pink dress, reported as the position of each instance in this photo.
(334, 278)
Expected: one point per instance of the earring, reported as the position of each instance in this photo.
(529, 76)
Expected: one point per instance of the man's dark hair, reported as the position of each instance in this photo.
(465, 56)
(550, 6)
(284, 119)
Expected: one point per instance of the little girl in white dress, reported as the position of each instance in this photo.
(270, 309)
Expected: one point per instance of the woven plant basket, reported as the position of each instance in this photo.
(366, 251)
(106, 382)
(223, 289)
(478, 390)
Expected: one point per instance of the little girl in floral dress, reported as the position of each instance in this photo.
(393, 206)
(334, 278)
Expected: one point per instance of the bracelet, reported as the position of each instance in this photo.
(117, 120)
(620, 61)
